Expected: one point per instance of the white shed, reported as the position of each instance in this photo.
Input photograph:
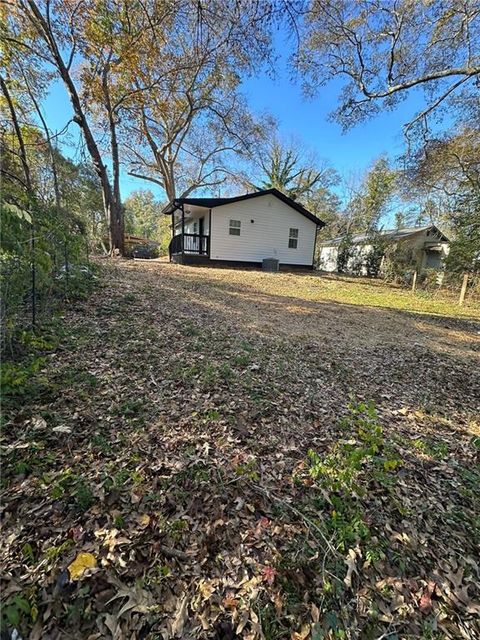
(428, 245)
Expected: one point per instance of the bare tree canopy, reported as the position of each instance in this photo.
(59, 35)
(157, 80)
(291, 167)
(384, 48)
(183, 135)
(448, 167)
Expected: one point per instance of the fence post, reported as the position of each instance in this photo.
(414, 281)
(463, 290)
(67, 266)
(33, 273)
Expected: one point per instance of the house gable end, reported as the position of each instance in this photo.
(213, 203)
(277, 194)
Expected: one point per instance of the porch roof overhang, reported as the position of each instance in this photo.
(175, 205)
(211, 203)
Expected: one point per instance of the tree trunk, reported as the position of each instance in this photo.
(22, 152)
(116, 222)
(30, 192)
(112, 205)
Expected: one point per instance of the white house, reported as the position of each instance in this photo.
(428, 247)
(242, 230)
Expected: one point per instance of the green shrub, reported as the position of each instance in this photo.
(399, 264)
(17, 612)
(345, 252)
(347, 471)
(57, 258)
(15, 376)
(374, 259)
(340, 469)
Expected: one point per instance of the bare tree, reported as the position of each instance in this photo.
(100, 37)
(384, 48)
(443, 178)
(191, 144)
(48, 30)
(185, 134)
(290, 167)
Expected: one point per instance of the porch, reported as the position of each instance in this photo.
(190, 241)
(189, 244)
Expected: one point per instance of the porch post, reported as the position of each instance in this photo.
(183, 229)
(209, 231)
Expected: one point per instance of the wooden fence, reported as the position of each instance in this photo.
(467, 279)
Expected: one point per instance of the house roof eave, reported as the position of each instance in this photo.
(212, 203)
(393, 235)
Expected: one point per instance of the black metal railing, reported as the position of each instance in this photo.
(176, 244)
(190, 243)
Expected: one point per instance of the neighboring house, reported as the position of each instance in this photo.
(242, 230)
(428, 245)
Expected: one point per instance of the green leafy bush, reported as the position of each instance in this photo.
(399, 264)
(346, 473)
(345, 252)
(16, 612)
(374, 259)
(44, 239)
(14, 376)
(340, 470)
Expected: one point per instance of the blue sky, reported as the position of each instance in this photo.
(350, 153)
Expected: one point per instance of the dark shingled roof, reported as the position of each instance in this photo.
(211, 203)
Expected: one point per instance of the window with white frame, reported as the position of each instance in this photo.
(293, 239)
(234, 227)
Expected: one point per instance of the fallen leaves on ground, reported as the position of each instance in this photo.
(155, 480)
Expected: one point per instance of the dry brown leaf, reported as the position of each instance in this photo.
(229, 602)
(302, 634)
(143, 520)
(351, 562)
(181, 616)
(315, 612)
(206, 588)
(82, 563)
(425, 604)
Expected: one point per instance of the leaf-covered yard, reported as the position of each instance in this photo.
(208, 453)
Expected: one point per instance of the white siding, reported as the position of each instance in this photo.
(195, 217)
(327, 258)
(190, 220)
(265, 226)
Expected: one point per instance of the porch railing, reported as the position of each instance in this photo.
(190, 243)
